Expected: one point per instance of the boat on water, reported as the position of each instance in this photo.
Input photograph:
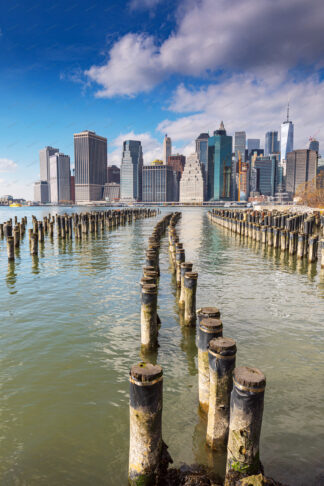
(15, 205)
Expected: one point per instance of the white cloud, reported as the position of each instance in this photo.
(143, 4)
(213, 35)
(245, 102)
(7, 165)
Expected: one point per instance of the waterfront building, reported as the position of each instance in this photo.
(90, 158)
(112, 191)
(44, 155)
(113, 174)
(72, 187)
(219, 165)
(252, 145)
(41, 192)
(192, 181)
(239, 145)
(60, 178)
(266, 175)
(158, 183)
(314, 144)
(243, 182)
(167, 148)
(301, 167)
(286, 137)
(131, 171)
(177, 162)
(271, 143)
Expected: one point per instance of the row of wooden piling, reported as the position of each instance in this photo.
(296, 234)
(66, 225)
(231, 399)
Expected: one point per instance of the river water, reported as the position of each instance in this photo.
(70, 330)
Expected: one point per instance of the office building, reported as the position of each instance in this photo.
(192, 181)
(266, 175)
(60, 178)
(243, 182)
(314, 144)
(113, 174)
(301, 167)
(202, 149)
(131, 171)
(158, 183)
(90, 158)
(219, 165)
(72, 187)
(177, 162)
(167, 149)
(41, 192)
(112, 191)
(239, 145)
(252, 145)
(271, 143)
(44, 155)
(286, 137)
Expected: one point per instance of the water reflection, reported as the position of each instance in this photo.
(11, 277)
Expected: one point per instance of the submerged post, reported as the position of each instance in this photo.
(184, 267)
(221, 354)
(149, 330)
(145, 447)
(247, 399)
(209, 328)
(190, 288)
(10, 248)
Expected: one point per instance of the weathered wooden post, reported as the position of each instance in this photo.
(322, 252)
(16, 237)
(184, 267)
(34, 244)
(246, 411)
(301, 246)
(209, 328)
(312, 249)
(149, 329)
(180, 258)
(10, 247)
(145, 446)
(221, 354)
(190, 287)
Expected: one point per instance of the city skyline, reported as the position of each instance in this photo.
(88, 78)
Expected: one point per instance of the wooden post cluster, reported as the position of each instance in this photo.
(296, 233)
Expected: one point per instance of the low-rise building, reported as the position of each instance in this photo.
(192, 181)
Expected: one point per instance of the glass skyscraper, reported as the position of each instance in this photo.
(159, 184)
(271, 144)
(131, 171)
(219, 165)
(267, 175)
(202, 149)
(286, 137)
(239, 145)
(253, 144)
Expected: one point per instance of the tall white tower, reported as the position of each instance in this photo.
(286, 137)
(167, 149)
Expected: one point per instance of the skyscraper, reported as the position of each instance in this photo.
(113, 174)
(192, 180)
(90, 158)
(253, 144)
(286, 137)
(131, 171)
(313, 144)
(41, 189)
(158, 183)
(301, 167)
(202, 149)
(167, 148)
(44, 155)
(239, 145)
(271, 144)
(60, 185)
(177, 162)
(219, 165)
(267, 175)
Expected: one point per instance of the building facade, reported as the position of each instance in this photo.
(219, 165)
(41, 192)
(131, 171)
(112, 191)
(266, 175)
(167, 148)
(202, 149)
(177, 162)
(44, 162)
(158, 183)
(192, 181)
(90, 158)
(301, 167)
(239, 145)
(271, 143)
(60, 188)
(113, 174)
(252, 145)
(314, 144)
(286, 137)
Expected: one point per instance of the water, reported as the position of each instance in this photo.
(70, 332)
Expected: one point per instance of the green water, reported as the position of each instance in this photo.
(70, 332)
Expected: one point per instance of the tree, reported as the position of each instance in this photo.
(311, 193)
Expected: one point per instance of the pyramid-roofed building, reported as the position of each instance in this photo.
(192, 181)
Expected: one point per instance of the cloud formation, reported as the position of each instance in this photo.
(7, 165)
(217, 35)
(143, 4)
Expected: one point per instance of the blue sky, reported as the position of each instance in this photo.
(140, 68)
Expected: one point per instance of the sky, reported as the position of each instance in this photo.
(138, 69)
